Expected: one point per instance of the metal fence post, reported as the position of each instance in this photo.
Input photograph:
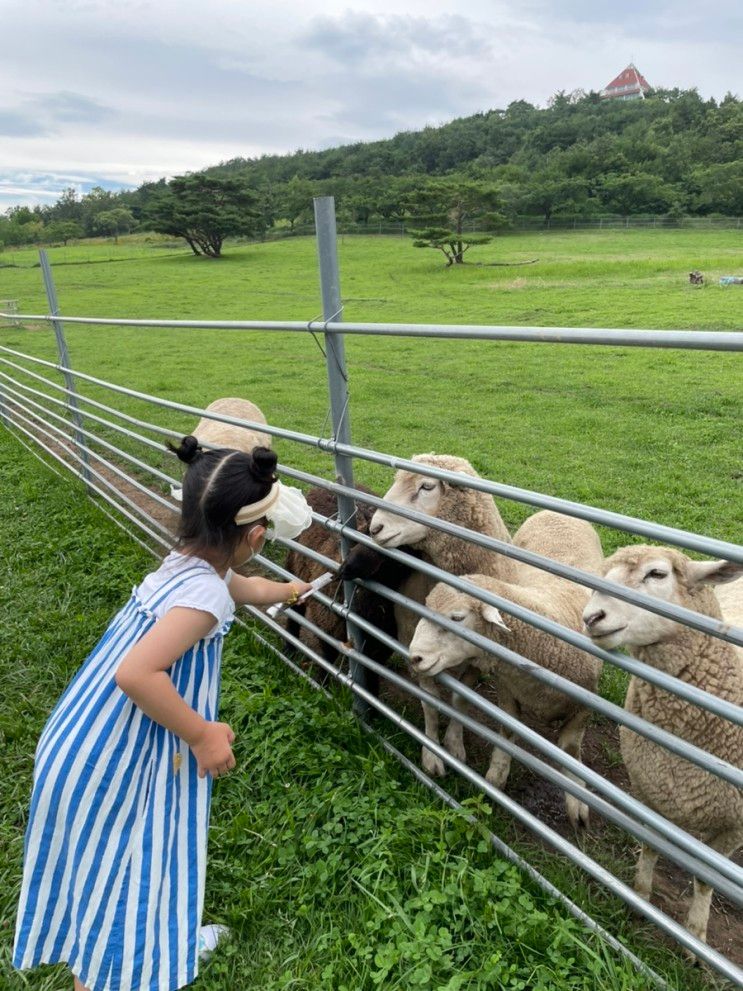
(64, 360)
(335, 352)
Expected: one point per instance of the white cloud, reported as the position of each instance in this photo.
(132, 91)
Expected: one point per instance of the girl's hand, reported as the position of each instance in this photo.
(213, 749)
(301, 588)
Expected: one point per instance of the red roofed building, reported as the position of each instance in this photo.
(629, 85)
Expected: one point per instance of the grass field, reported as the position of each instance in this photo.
(649, 433)
(334, 869)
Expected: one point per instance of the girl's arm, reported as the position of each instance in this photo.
(256, 591)
(142, 675)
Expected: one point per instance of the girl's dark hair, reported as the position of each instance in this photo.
(216, 485)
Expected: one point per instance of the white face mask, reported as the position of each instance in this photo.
(290, 514)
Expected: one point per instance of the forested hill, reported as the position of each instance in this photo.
(671, 154)
(671, 151)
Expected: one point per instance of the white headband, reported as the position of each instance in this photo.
(255, 510)
(285, 507)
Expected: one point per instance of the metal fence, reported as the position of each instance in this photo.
(518, 224)
(48, 406)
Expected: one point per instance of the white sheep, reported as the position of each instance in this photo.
(700, 802)
(456, 504)
(433, 649)
(228, 435)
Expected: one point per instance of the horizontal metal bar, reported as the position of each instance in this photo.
(563, 846)
(496, 842)
(87, 414)
(104, 443)
(173, 507)
(87, 467)
(91, 485)
(682, 339)
(671, 535)
(698, 621)
(93, 402)
(667, 837)
(293, 435)
(617, 521)
(697, 696)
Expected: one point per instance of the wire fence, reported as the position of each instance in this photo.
(404, 227)
(120, 459)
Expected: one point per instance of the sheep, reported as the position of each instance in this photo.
(701, 803)
(463, 506)
(219, 434)
(433, 650)
(361, 562)
(226, 434)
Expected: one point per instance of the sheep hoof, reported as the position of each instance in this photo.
(432, 764)
(459, 752)
(692, 958)
(497, 775)
(578, 812)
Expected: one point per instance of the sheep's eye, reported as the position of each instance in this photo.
(656, 573)
(458, 617)
(427, 487)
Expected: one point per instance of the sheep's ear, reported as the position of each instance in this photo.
(491, 615)
(713, 572)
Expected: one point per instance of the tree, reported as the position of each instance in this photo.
(460, 200)
(63, 230)
(204, 210)
(452, 244)
(113, 222)
(295, 200)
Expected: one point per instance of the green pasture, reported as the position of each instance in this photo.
(335, 870)
(651, 433)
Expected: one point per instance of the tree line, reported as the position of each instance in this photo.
(672, 154)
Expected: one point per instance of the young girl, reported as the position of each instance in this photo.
(115, 850)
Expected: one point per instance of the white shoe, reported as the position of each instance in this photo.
(209, 936)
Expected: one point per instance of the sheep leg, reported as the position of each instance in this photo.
(454, 736)
(500, 761)
(726, 842)
(571, 741)
(644, 871)
(432, 763)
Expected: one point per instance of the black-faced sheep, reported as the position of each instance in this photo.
(695, 799)
(361, 562)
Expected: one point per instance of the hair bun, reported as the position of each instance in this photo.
(263, 463)
(187, 450)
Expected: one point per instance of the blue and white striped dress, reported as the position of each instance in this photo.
(115, 850)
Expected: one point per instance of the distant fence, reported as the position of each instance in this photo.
(607, 222)
(46, 406)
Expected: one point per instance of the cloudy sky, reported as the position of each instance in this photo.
(113, 92)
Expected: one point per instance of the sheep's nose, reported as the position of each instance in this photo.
(416, 660)
(376, 528)
(593, 618)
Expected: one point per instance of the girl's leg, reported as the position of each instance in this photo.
(79, 986)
